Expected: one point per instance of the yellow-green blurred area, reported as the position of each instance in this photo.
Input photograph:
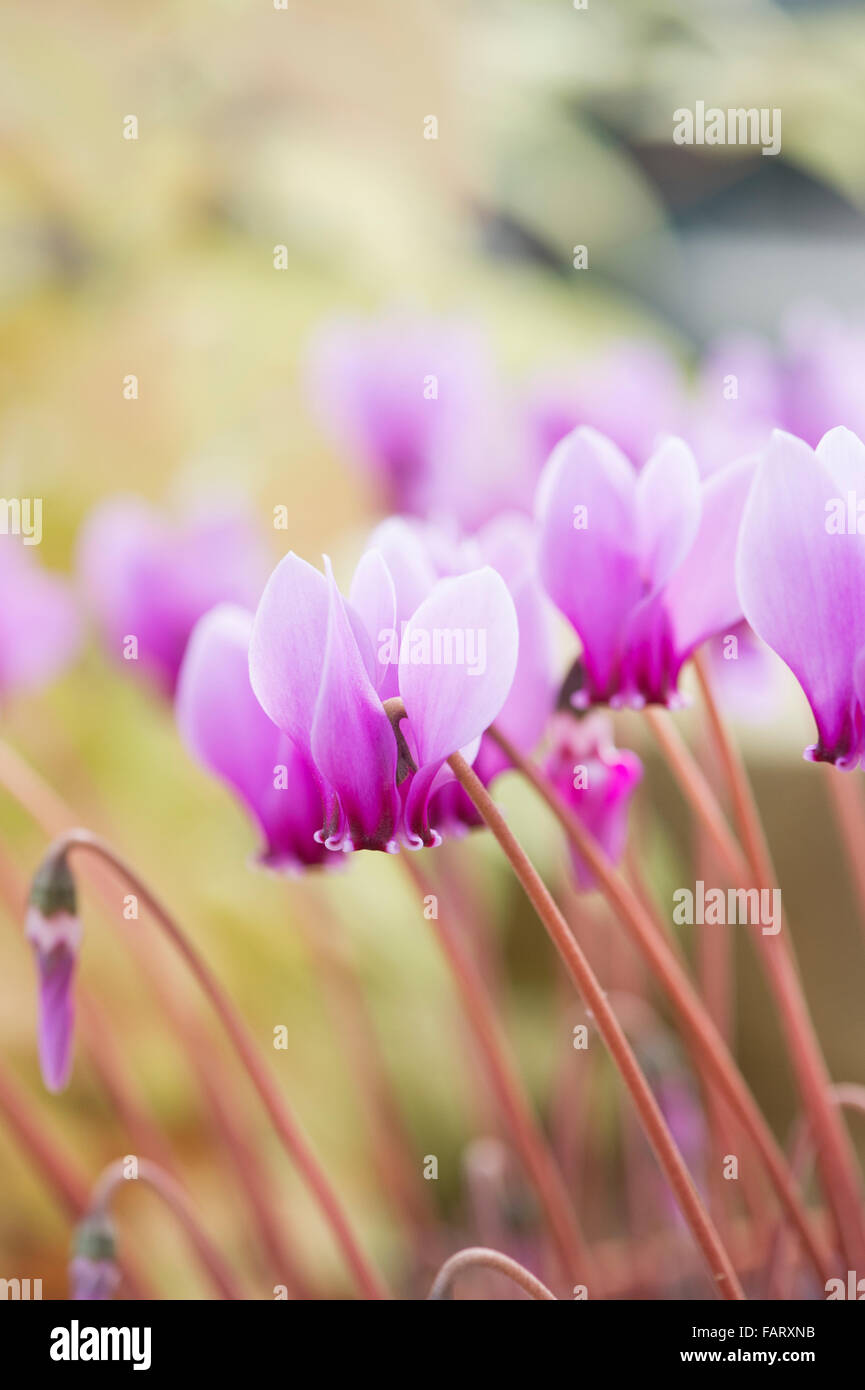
(303, 127)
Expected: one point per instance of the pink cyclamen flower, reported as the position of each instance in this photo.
(808, 384)
(419, 554)
(641, 564)
(149, 579)
(633, 392)
(227, 731)
(745, 674)
(597, 781)
(801, 575)
(822, 362)
(39, 625)
(739, 400)
(416, 402)
(54, 930)
(322, 666)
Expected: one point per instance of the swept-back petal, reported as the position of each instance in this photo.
(404, 547)
(457, 661)
(843, 454)
(287, 646)
(588, 546)
(668, 510)
(353, 742)
(373, 598)
(701, 597)
(509, 545)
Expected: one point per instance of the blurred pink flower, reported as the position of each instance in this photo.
(739, 399)
(150, 579)
(807, 385)
(40, 629)
(633, 392)
(823, 360)
(745, 675)
(417, 403)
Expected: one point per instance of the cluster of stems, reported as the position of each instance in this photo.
(819, 1237)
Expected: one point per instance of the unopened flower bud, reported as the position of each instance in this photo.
(54, 931)
(93, 1272)
(596, 779)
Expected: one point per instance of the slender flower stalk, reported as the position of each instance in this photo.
(845, 1093)
(719, 836)
(834, 1150)
(224, 1106)
(696, 786)
(104, 1056)
(845, 795)
(510, 1095)
(67, 1184)
(751, 1179)
(478, 1256)
(688, 1199)
(224, 1109)
(713, 979)
(836, 1160)
(714, 969)
(32, 792)
(293, 1139)
(668, 970)
(254, 1179)
(94, 1245)
(108, 1063)
(55, 1166)
(463, 886)
(716, 951)
(229, 734)
(51, 813)
(633, 1270)
(336, 970)
(659, 1050)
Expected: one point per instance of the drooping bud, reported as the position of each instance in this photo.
(54, 931)
(93, 1272)
(596, 779)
